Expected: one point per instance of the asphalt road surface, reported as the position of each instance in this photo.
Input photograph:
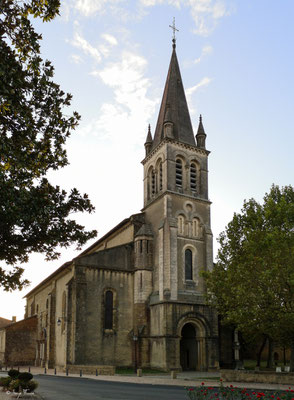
(66, 388)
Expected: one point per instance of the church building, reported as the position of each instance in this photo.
(136, 297)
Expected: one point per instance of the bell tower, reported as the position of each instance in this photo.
(177, 209)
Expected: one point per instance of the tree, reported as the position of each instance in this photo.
(252, 284)
(34, 214)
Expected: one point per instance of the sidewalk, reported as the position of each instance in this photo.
(191, 378)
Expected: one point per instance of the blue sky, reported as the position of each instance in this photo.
(237, 63)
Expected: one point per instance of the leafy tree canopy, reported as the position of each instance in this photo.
(252, 284)
(34, 214)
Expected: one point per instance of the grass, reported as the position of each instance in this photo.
(251, 364)
(145, 371)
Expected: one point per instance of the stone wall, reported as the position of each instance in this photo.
(228, 375)
(91, 369)
(2, 345)
(88, 340)
(20, 346)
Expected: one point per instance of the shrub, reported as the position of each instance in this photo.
(15, 385)
(13, 373)
(5, 381)
(25, 376)
(29, 385)
(18, 385)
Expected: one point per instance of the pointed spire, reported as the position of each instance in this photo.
(148, 143)
(174, 105)
(201, 135)
(149, 136)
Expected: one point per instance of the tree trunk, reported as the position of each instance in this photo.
(292, 357)
(258, 355)
(269, 363)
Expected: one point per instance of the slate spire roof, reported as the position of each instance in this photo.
(174, 107)
(149, 136)
(201, 135)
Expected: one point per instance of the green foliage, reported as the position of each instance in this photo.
(34, 215)
(15, 385)
(13, 373)
(5, 381)
(252, 284)
(25, 376)
(30, 386)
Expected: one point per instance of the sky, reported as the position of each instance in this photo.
(237, 61)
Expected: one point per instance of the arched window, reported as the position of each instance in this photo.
(181, 225)
(108, 317)
(195, 227)
(179, 173)
(160, 176)
(150, 183)
(63, 312)
(153, 183)
(188, 265)
(193, 177)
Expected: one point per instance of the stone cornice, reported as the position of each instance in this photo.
(199, 199)
(180, 144)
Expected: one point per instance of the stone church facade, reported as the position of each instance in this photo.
(136, 297)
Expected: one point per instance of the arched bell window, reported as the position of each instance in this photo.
(188, 265)
(108, 316)
(153, 183)
(179, 173)
(160, 176)
(193, 177)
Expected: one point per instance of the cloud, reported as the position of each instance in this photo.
(110, 39)
(109, 42)
(98, 52)
(190, 91)
(205, 13)
(79, 42)
(205, 51)
(76, 59)
(132, 108)
(91, 7)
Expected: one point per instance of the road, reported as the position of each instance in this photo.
(66, 388)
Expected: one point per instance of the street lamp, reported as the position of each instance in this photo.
(135, 339)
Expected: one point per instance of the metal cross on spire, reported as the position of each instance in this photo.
(173, 27)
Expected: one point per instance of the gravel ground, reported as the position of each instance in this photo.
(5, 396)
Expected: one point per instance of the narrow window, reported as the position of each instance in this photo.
(141, 281)
(141, 246)
(153, 183)
(188, 265)
(193, 177)
(147, 246)
(195, 227)
(63, 312)
(108, 310)
(179, 173)
(181, 225)
(160, 176)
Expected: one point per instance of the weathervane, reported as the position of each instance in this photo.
(173, 26)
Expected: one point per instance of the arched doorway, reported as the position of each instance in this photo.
(188, 348)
